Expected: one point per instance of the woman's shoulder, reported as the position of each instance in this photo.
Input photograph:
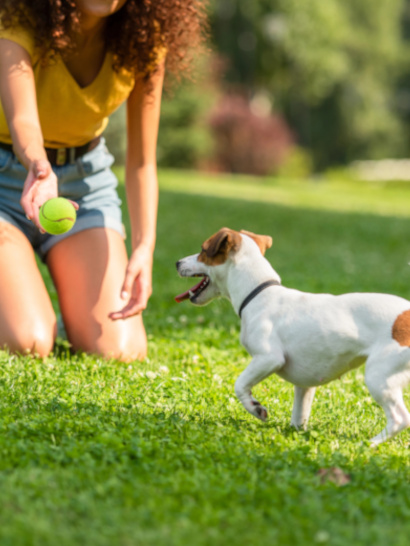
(19, 35)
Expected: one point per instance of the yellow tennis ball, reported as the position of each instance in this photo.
(57, 216)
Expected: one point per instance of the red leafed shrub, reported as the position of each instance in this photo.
(246, 142)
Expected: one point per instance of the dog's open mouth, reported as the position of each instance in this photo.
(194, 291)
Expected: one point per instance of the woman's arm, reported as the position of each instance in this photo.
(18, 97)
(143, 111)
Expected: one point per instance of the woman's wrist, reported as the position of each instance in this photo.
(144, 244)
(28, 145)
(40, 167)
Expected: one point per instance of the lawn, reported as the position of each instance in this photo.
(99, 453)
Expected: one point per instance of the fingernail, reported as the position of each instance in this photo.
(28, 217)
(124, 295)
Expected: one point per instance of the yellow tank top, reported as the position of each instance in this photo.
(70, 115)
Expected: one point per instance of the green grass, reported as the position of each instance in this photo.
(100, 453)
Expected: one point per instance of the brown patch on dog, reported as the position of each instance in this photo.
(216, 249)
(401, 329)
(263, 241)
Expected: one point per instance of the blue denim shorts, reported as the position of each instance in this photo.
(89, 181)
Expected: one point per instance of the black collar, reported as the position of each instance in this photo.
(255, 292)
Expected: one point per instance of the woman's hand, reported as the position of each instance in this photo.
(137, 285)
(39, 186)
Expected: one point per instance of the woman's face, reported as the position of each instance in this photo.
(99, 8)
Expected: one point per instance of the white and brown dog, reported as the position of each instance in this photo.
(307, 339)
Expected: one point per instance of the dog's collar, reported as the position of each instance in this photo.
(255, 292)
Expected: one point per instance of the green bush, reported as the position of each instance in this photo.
(298, 164)
(337, 71)
(184, 139)
(116, 135)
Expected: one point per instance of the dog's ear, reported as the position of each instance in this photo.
(215, 250)
(263, 241)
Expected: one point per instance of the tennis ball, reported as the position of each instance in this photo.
(57, 216)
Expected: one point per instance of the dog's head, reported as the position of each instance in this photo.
(218, 254)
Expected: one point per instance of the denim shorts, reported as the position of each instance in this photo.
(89, 181)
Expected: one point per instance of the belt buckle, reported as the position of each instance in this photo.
(61, 157)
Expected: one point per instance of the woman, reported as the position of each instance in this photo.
(65, 65)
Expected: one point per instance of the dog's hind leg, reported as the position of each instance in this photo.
(302, 405)
(387, 389)
(260, 367)
(398, 418)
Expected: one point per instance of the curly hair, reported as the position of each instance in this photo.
(134, 34)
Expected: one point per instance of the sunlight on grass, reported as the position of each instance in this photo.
(98, 453)
(342, 196)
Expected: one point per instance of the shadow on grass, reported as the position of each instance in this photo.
(57, 433)
(219, 473)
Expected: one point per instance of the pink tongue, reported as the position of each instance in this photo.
(185, 295)
(182, 297)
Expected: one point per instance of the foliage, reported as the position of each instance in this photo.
(116, 135)
(98, 453)
(332, 68)
(247, 142)
(298, 164)
(184, 138)
(337, 72)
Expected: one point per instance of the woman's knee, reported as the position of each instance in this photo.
(125, 349)
(123, 345)
(125, 353)
(37, 340)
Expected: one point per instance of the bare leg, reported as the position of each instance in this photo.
(260, 367)
(88, 270)
(302, 405)
(27, 319)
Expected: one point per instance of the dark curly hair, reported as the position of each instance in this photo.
(134, 33)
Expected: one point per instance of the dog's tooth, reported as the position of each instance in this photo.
(190, 293)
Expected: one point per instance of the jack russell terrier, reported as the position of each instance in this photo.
(307, 339)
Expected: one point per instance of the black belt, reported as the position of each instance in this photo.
(62, 156)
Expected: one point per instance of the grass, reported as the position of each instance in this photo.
(101, 453)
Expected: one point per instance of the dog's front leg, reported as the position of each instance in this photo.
(302, 405)
(260, 367)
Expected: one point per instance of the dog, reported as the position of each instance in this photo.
(307, 339)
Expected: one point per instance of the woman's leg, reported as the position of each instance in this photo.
(88, 270)
(27, 319)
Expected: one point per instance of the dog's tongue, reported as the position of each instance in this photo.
(187, 294)
(182, 297)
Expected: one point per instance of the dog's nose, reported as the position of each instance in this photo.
(177, 264)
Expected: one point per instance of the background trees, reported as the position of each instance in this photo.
(335, 75)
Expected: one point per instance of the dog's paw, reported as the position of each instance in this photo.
(299, 425)
(259, 411)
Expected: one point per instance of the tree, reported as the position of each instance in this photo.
(332, 68)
